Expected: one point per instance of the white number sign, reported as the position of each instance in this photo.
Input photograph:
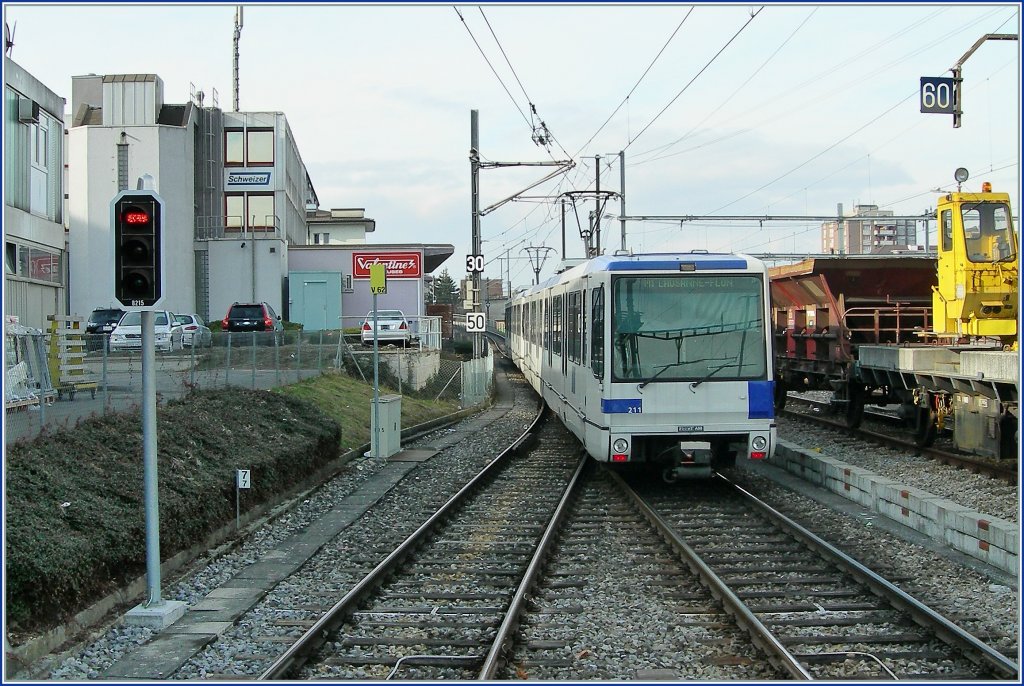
(243, 478)
(476, 322)
(474, 263)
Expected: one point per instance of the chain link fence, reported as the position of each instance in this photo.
(54, 380)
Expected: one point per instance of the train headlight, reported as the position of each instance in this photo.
(759, 443)
(620, 445)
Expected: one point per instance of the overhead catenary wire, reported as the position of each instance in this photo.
(635, 85)
(729, 97)
(829, 71)
(484, 55)
(753, 16)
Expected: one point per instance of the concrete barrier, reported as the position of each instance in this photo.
(990, 539)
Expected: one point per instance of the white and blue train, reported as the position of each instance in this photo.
(663, 359)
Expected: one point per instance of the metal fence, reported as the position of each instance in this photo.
(43, 392)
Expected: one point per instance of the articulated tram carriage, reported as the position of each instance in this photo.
(661, 359)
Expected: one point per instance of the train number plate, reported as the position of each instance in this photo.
(689, 428)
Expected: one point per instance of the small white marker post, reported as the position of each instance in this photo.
(242, 480)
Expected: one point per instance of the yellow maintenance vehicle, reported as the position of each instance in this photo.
(978, 265)
(966, 370)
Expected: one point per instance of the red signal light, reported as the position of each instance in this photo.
(758, 455)
(620, 458)
(134, 216)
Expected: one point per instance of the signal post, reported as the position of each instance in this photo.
(137, 222)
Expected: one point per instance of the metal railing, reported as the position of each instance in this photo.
(38, 402)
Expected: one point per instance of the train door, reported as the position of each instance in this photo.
(593, 369)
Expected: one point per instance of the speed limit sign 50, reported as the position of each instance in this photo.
(476, 322)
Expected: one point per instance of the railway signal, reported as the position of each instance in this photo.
(137, 221)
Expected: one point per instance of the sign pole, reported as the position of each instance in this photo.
(149, 461)
(378, 284)
(376, 383)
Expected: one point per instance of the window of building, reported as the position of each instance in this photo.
(321, 238)
(234, 210)
(234, 147)
(260, 147)
(248, 147)
(249, 211)
(31, 262)
(261, 211)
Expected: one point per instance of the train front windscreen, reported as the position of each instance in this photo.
(688, 327)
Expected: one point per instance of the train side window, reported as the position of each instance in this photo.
(546, 316)
(597, 332)
(556, 325)
(947, 230)
(572, 326)
(583, 327)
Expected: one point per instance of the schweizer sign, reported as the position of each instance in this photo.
(397, 265)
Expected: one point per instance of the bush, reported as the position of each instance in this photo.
(75, 520)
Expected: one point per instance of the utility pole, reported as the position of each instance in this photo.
(596, 230)
(537, 254)
(563, 229)
(474, 167)
(508, 270)
(622, 198)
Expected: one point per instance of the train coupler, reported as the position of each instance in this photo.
(691, 460)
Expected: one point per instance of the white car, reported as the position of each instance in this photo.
(127, 335)
(392, 327)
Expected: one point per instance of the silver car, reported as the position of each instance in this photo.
(392, 327)
(194, 331)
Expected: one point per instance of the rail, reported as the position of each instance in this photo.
(310, 642)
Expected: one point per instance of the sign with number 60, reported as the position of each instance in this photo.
(938, 95)
(476, 322)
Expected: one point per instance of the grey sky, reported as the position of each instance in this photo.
(804, 107)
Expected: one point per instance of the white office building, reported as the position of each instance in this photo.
(234, 187)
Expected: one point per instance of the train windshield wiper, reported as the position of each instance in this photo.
(714, 371)
(659, 372)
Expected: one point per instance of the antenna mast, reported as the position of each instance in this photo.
(238, 36)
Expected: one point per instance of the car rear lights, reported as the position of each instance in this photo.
(224, 323)
(268, 323)
(366, 326)
(403, 326)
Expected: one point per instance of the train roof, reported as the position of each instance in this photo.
(702, 261)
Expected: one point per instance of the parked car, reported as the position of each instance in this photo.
(392, 327)
(127, 335)
(101, 322)
(194, 331)
(253, 317)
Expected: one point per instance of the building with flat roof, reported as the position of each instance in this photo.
(869, 231)
(234, 186)
(35, 278)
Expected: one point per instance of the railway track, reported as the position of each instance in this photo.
(1003, 470)
(816, 612)
(444, 602)
(617, 602)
